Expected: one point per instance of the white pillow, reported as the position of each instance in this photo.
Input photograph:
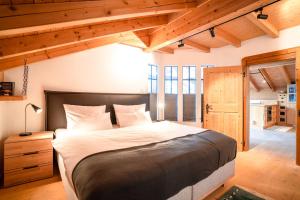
(87, 118)
(135, 118)
(128, 109)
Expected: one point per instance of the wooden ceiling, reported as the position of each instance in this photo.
(274, 78)
(41, 29)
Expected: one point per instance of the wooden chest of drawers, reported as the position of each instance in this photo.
(28, 158)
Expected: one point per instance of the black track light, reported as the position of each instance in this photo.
(261, 15)
(212, 32)
(181, 44)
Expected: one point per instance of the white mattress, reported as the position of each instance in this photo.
(73, 146)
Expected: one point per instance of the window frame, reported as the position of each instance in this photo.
(171, 79)
(189, 79)
(152, 78)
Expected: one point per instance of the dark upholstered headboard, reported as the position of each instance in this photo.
(55, 113)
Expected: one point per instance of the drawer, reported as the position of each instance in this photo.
(27, 174)
(29, 159)
(19, 148)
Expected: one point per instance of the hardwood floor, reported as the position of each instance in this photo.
(268, 168)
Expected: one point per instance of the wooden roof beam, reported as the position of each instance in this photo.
(16, 61)
(197, 46)
(253, 83)
(264, 25)
(227, 37)
(167, 50)
(60, 14)
(143, 36)
(30, 43)
(267, 78)
(201, 18)
(285, 74)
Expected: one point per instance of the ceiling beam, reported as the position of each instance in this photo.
(197, 46)
(30, 43)
(167, 50)
(227, 37)
(38, 16)
(143, 36)
(285, 74)
(263, 25)
(267, 78)
(207, 15)
(253, 83)
(59, 51)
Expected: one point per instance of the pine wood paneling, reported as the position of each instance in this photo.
(31, 43)
(66, 14)
(201, 18)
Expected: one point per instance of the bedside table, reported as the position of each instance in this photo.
(28, 158)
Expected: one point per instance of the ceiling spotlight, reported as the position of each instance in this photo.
(212, 32)
(261, 15)
(181, 44)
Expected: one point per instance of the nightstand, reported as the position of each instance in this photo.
(28, 158)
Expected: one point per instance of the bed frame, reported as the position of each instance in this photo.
(55, 118)
(55, 113)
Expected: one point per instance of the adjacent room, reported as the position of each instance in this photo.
(272, 102)
(149, 100)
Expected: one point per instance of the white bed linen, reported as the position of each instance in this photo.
(76, 145)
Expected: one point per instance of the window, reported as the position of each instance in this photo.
(189, 79)
(152, 78)
(171, 79)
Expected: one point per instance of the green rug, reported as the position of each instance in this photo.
(236, 193)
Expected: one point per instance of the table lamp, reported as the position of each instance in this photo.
(36, 110)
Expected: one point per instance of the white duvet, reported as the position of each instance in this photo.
(73, 146)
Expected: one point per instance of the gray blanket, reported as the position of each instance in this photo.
(152, 172)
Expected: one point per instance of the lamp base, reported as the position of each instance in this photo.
(25, 134)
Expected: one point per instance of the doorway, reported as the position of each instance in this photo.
(272, 102)
(286, 55)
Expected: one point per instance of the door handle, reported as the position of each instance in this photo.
(207, 108)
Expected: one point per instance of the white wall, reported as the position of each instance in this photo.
(264, 94)
(113, 68)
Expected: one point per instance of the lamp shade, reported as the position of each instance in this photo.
(36, 108)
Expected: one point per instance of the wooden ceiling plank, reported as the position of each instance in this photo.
(253, 83)
(40, 16)
(264, 25)
(227, 37)
(36, 42)
(267, 78)
(167, 50)
(207, 15)
(108, 3)
(285, 74)
(59, 51)
(197, 46)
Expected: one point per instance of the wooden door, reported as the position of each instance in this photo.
(223, 101)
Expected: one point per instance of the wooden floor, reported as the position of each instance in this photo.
(268, 168)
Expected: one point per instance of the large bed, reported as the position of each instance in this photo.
(160, 160)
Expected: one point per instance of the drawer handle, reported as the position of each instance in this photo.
(30, 167)
(30, 153)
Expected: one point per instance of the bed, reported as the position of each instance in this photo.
(122, 143)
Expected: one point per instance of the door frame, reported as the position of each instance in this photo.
(275, 56)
